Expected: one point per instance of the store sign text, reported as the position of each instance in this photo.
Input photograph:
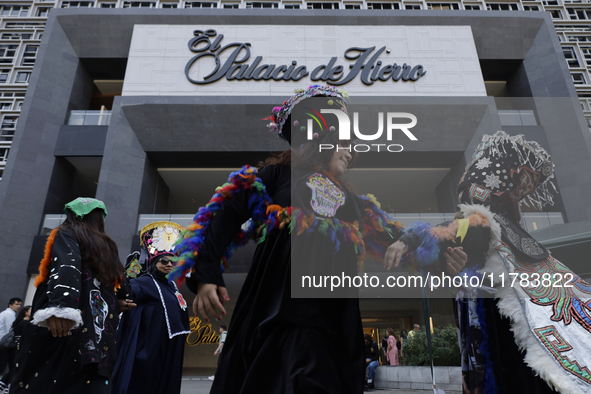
(201, 333)
(235, 67)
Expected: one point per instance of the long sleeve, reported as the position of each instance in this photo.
(7, 317)
(375, 353)
(391, 342)
(63, 284)
(216, 230)
(477, 232)
(391, 346)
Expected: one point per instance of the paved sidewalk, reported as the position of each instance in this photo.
(202, 385)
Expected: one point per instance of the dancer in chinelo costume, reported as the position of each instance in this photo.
(153, 332)
(276, 343)
(531, 337)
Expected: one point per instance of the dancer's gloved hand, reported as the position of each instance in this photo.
(209, 301)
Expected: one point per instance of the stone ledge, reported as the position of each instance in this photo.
(410, 377)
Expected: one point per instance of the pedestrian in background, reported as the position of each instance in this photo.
(392, 350)
(7, 317)
(372, 355)
(218, 351)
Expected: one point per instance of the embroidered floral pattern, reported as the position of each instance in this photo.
(492, 181)
(483, 163)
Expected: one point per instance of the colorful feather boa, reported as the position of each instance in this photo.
(430, 236)
(191, 241)
(44, 264)
(268, 217)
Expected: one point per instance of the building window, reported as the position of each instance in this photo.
(4, 74)
(7, 128)
(472, 7)
(4, 153)
(579, 38)
(24, 25)
(139, 4)
(7, 52)
(587, 55)
(16, 36)
(443, 6)
(323, 6)
(550, 2)
(42, 12)
(383, 6)
(201, 4)
(556, 14)
(108, 5)
(77, 4)
(22, 77)
(571, 57)
(502, 7)
(14, 10)
(352, 6)
(5, 106)
(29, 55)
(261, 4)
(412, 7)
(531, 8)
(578, 78)
(169, 5)
(289, 6)
(579, 14)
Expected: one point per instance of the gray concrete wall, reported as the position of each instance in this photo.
(26, 181)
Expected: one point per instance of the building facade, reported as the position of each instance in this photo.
(122, 106)
(22, 24)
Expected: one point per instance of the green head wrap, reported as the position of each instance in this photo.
(82, 206)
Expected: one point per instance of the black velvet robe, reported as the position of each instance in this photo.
(276, 343)
(81, 362)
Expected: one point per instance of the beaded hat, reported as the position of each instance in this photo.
(279, 115)
(157, 239)
(504, 164)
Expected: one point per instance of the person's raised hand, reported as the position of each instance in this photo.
(456, 259)
(393, 254)
(209, 301)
